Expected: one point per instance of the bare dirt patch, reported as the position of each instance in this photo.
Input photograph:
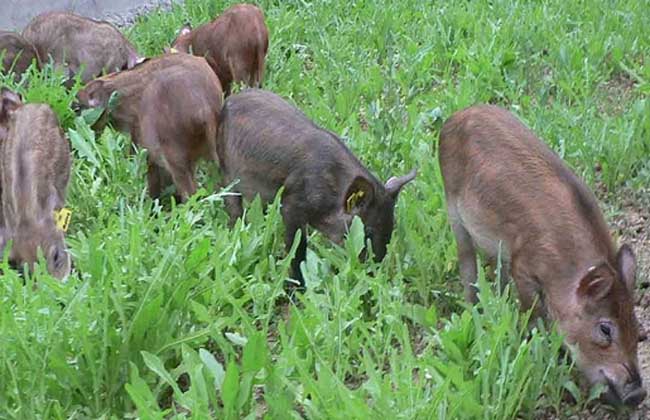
(616, 94)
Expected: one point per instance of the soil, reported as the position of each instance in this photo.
(615, 95)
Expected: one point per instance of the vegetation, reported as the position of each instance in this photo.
(170, 312)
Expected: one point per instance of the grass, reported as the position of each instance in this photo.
(168, 305)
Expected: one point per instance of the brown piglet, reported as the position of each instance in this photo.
(170, 105)
(509, 194)
(266, 144)
(79, 44)
(17, 53)
(235, 45)
(34, 172)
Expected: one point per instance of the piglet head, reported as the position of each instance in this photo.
(183, 41)
(602, 329)
(43, 236)
(375, 205)
(9, 103)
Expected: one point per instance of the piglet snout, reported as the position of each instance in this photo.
(635, 397)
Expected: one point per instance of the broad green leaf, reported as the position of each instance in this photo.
(230, 390)
(91, 116)
(214, 367)
(155, 364)
(255, 353)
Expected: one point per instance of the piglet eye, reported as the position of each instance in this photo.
(606, 330)
(58, 258)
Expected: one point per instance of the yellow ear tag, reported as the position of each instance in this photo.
(173, 50)
(353, 199)
(62, 218)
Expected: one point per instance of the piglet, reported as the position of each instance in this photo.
(17, 53)
(509, 194)
(266, 143)
(235, 45)
(34, 168)
(78, 44)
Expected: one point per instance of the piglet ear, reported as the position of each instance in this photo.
(132, 60)
(9, 102)
(626, 262)
(360, 194)
(92, 94)
(95, 86)
(185, 30)
(597, 283)
(395, 184)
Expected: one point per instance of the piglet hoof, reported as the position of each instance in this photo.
(643, 334)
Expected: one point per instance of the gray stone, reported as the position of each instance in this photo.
(15, 14)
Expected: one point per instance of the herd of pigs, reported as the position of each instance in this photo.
(508, 194)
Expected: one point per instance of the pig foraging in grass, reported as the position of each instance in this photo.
(505, 188)
(235, 45)
(79, 44)
(170, 105)
(17, 53)
(266, 143)
(34, 172)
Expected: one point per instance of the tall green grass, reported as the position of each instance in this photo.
(169, 312)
